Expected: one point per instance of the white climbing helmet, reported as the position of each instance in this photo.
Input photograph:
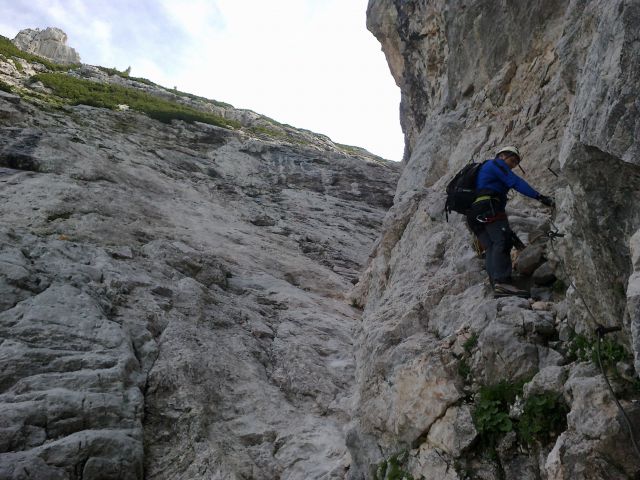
(510, 149)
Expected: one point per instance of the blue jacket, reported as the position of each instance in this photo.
(495, 177)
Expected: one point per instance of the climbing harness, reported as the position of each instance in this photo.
(491, 219)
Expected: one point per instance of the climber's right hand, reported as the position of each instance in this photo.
(547, 201)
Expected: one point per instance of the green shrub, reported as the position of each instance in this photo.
(491, 419)
(491, 412)
(5, 87)
(580, 348)
(584, 349)
(543, 418)
(611, 353)
(269, 132)
(143, 80)
(113, 71)
(8, 49)
(78, 91)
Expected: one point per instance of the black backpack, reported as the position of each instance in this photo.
(461, 190)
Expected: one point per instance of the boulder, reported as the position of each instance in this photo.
(454, 432)
(530, 259)
(544, 274)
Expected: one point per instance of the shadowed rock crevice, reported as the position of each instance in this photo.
(19, 153)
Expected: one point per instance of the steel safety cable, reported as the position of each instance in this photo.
(600, 331)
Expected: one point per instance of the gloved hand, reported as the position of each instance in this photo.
(548, 201)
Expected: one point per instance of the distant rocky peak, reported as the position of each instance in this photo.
(50, 43)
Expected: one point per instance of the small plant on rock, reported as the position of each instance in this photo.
(491, 412)
(5, 87)
(584, 349)
(491, 415)
(266, 131)
(470, 343)
(393, 468)
(544, 417)
(464, 369)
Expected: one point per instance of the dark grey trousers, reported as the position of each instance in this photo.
(496, 238)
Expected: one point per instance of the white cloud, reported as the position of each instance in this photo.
(196, 17)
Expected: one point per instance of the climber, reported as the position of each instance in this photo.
(488, 220)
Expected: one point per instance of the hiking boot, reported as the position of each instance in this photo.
(507, 290)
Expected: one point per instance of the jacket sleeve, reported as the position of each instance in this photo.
(514, 181)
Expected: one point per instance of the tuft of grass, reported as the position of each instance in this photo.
(113, 71)
(471, 343)
(350, 149)
(356, 304)
(8, 49)
(393, 468)
(269, 132)
(78, 91)
(464, 369)
(5, 87)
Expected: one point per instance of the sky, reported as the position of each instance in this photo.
(311, 64)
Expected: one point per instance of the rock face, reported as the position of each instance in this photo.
(174, 297)
(177, 301)
(558, 79)
(50, 43)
